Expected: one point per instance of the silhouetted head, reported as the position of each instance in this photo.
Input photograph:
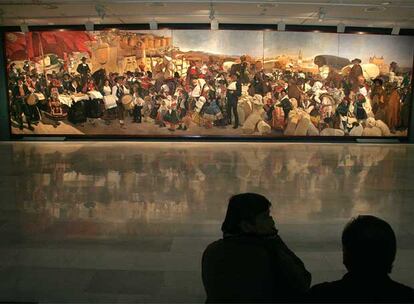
(248, 213)
(369, 245)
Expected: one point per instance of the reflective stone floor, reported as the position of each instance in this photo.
(127, 222)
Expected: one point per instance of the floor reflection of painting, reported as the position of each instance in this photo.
(209, 83)
(115, 188)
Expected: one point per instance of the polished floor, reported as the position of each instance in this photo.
(127, 222)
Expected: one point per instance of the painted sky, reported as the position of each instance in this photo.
(394, 48)
(289, 43)
(224, 42)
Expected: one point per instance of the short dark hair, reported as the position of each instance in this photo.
(243, 207)
(369, 244)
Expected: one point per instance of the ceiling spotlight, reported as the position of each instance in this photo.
(340, 28)
(281, 26)
(89, 26)
(395, 30)
(155, 4)
(24, 28)
(100, 10)
(214, 24)
(321, 14)
(374, 9)
(50, 6)
(153, 25)
(267, 5)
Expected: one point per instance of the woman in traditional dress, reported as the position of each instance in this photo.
(182, 108)
(359, 110)
(138, 104)
(109, 101)
(211, 111)
(171, 116)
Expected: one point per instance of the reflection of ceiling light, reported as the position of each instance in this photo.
(50, 23)
(360, 33)
(386, 3)
(374, 9)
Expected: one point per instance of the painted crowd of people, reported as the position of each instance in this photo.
(210, 94)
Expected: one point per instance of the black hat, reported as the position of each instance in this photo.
(83, 58)
(356, 60)
(379, 80)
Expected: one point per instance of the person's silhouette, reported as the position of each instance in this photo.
(369, 247)
(251, 263)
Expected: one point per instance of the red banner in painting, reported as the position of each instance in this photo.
(21, 46)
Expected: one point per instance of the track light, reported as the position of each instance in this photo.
(281, 26)
(321, 14)
(340, 28)
(153, 25)
(214, 25)
(395, 30)
(24, 28)
(100, 10)
(89, 26)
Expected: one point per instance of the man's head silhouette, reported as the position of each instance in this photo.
(248, 213)
(369, 245)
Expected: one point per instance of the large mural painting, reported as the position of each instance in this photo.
(226, 83)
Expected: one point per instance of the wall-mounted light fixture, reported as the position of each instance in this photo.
(340, 28)
(395, 30)
(153, 25)
(89, 26)
(214, 25)
(24, 28)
